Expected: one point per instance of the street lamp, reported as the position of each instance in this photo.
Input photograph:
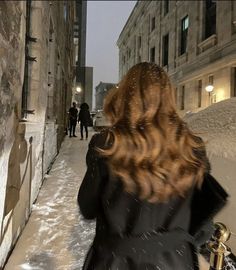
(209, 88)
(78, 89)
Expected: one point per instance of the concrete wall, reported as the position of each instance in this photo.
(12, 38)
(28, 145)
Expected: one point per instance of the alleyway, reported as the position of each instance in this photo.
(56, 236)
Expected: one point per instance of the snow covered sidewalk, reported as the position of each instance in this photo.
(56, 236)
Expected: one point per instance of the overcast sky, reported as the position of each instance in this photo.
(105, 21)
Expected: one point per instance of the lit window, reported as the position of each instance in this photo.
(184, 34)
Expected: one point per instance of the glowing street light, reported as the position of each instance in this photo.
(209, 88)
(78, 89)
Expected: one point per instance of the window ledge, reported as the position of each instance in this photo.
(233, 37)
(207, 43)
(183, 58)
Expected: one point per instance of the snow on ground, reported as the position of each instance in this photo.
(56, 236)
(217, 126)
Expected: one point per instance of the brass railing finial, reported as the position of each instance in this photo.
(217, 246)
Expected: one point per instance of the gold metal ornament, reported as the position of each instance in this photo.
(217, 246)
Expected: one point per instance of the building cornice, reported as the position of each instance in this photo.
(138, 8)
(198, 68)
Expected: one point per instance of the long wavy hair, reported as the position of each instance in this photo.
(151, 149)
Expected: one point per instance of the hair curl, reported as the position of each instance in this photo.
(152, 151)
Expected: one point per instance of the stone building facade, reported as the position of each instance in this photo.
(36, 75)
(84, 74)
(101, 91)
(195, 42)
(88, 91)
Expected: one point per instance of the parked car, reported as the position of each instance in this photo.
(100, 121)
(92, 116)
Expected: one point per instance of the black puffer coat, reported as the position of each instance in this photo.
(137, 235)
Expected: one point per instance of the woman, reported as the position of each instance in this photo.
(147, 182)
(84, 119)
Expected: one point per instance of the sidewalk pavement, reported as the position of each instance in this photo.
(56, 236)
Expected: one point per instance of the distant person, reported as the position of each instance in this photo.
(73, 115)
(84, 119)
(148, 182)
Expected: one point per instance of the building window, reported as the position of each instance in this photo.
(129, 52)
(153, 23)
(176, 95)
(210, 18)
(166, 6)
(139, 41)
(211, 80)
(182, 97)
(152, 54)
(65, 11)
(233, 92)
(165, 50)
(134, 45)
(184, 34)
(199, 94)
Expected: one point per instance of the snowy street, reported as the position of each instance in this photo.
(56, 237)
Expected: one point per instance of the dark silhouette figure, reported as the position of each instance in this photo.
(148, 182)
(73, 114)
(84, 119)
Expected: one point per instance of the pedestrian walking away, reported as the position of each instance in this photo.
(73, 115)
(84, 118)
(148, 181)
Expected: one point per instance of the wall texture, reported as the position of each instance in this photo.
(30, 136)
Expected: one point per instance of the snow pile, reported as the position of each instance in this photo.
(217, 126)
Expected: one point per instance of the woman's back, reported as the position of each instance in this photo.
(143, 175)
(126, 214)
(124, 222)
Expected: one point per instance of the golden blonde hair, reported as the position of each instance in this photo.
(152, 150)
